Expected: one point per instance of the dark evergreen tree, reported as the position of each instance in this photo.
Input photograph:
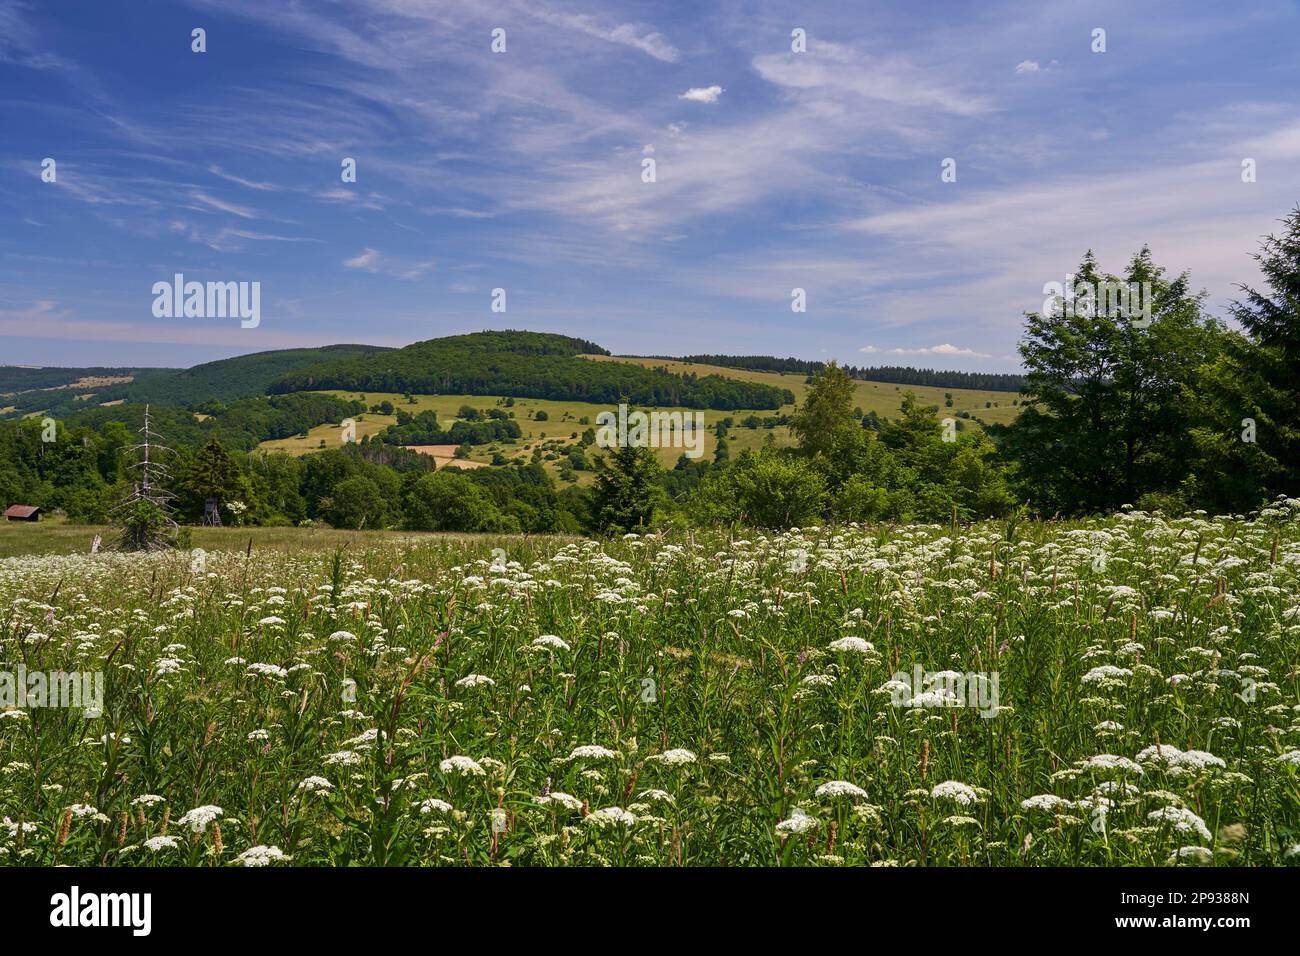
(1104, 418)
(212, 478)
(626, 486)
(1248, 398)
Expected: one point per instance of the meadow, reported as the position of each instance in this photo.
(671, 700)
(560, 429)
(562, 424)
(884, 398)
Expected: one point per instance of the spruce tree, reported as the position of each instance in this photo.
(626, 488)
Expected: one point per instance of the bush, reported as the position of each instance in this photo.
(860, 500)
(356, 503)
(768, 489)
(450, 501)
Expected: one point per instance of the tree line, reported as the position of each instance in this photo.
(891, 374)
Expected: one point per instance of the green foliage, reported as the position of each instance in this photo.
(757, 705)
(1181, 414)
(209, 474)
(449, 500)
(22, 378)
(356, 503)
(767, 489)
(241, 424)
(423, 429)
(827, 408)
(626, 489)
(144, 526)
(860, 499)
(1106, 416)
(527, 365)
(1247, 399)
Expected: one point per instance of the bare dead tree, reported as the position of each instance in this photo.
(144, 515)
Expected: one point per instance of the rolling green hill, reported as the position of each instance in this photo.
(25, 378)
(527, 365)
(225, 380)
(241, 377)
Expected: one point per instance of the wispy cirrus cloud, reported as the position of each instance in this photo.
(378, 263)
(222, 205)
(838, 72)
(638, 36)
(246, 183)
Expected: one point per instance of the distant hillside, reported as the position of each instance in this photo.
(243, 423)
(893, 374)
(242, 376)
(226, 380)
(526, 365)
(22, 378)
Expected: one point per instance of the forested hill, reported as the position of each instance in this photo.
(241, 424)
(22, 378)
(241, 377)
(226, 380)
(526, 365)
(893, 374)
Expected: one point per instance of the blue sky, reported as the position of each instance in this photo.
(522, 170)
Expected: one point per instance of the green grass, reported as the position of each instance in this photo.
(682, 700)
(564, 418)
(556, 433)
(884, 398)
(54, 536)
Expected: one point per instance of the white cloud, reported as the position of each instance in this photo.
(702, 94)
(374, 261)
(366, 260)
(1028, 66)
(946, 350)
(266, 237)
